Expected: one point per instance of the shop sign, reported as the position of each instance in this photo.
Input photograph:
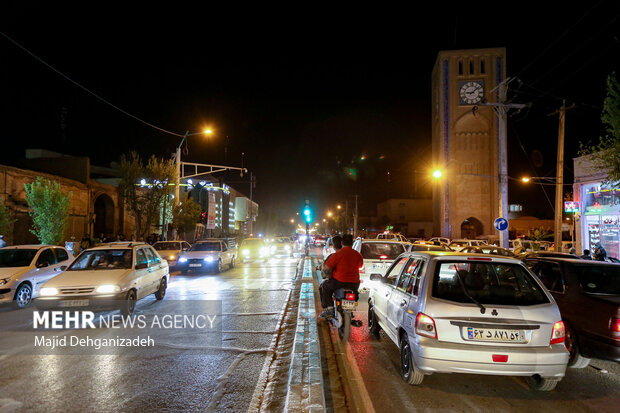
(571, 206)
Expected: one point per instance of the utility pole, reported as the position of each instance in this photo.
(501, 109)
(559, 182)
(355, 219)
(251, 206)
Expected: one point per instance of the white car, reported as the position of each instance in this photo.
(459, 244)
(469, 313)
(24, 268)
(378, 255)
(328, 249)
(108, 277)
(390, 236)
(210, 254)
(171, 250)
(441, 239)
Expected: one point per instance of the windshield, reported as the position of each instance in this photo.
(284, 240)
(429, 248)
(497, 251)
(167, 246)
(381, 250)
(599, 279)
(103, 260)
(252, 243)
(487, 283)
(16, 257)
(206, 246)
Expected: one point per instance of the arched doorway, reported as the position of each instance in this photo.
(104, 216)
(471, 228)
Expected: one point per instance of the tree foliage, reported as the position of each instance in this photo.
(185, 216)
(49, 209)
(144, 187)
(605, 155)
(5, 219)
(539, 234)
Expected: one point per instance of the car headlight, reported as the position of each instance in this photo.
(245, 252)
(48, 291)
(182, 259)
(5, 281)
(108, 288)
(171, 257)
(208, 259)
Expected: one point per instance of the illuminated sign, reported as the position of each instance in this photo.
(571, 206)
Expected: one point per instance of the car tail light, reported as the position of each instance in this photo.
(362, 269)
(351, 296)
(500, 358)
(383, 257)
(615, 325)
(425, 326)
(557, 335)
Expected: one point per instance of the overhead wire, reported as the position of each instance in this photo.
(88, 90)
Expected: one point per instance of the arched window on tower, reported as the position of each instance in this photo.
(460, 65)
(483, 68)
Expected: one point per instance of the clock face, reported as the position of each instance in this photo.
(471, 93)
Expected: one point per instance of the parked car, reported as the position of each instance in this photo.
(378, 256)
(254, 249)
(171, 250)
(462, 313)
(108, 277)
(281, 247)
(320, 241)
(428, 246)
(529, 257)
(459, 244)
(489, 249)
(24, 269)
(440, 239)
(208, 254)
(588, 294)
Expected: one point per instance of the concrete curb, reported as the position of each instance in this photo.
(305, 381)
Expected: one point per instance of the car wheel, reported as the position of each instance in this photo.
(232, 263)
(373, 325)
(23, 296)
(161, 291)
(128, 307)
(219, 267)
(575, 359)
(408, 370)
(536, 382)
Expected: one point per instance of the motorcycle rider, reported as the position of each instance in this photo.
(326, 272)
(345, 266)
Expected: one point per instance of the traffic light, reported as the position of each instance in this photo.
(307, 214)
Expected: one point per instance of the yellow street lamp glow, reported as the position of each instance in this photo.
(525, 179)
(338, 207)
(437, 173)
(208, 131)
(324, 220)
(292, 221)
(329, 213)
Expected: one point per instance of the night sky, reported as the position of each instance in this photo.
(301, 92)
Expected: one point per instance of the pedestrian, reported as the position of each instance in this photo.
(2, 241)
(599, 253)
(586, 255)
(573, 251)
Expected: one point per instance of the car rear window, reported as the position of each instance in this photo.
(428, 248)
(381, 250)
(599, 279)
(206, 246)
(487, 283)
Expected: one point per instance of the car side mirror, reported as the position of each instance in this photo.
(376, 277)
(63, 267)
(141, 266)
(43, 264)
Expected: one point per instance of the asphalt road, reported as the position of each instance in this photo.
(221, 378)
(593, 389)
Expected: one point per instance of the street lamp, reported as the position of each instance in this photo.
(177, 161)
(329, 213)
(437, 174)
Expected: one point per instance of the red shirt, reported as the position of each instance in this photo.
(346, 264)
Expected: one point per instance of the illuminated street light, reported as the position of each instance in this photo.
(329, 213)
(437, 174)
(339, 207)
(292, 221)
(525, 179)
(208, 131)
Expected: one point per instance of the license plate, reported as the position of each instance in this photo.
(491, 334)
(347, 304)
(73, 303)
(195, 265)
(378, 266)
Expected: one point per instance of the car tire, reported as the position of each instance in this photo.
(408, 370)
(232, 263)
(161, 291)
(373, 324)
(23, 296)
(539, 383)
(219, 267)
(129, 305)
(575, 359)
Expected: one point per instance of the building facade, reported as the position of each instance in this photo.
(465, 141)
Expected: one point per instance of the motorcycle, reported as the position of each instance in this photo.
(345, 301)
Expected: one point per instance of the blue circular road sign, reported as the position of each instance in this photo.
(501, 224)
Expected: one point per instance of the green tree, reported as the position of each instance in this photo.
(606, 154)
(5, 219)
(185, 216)
(49, 209)
(539, 234)
(144, 187)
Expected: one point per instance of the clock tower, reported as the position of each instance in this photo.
(465, 133)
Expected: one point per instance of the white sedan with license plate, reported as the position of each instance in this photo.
(108, 277)
(469, 313)
(378, 255)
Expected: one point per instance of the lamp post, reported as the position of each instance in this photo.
(177, 162)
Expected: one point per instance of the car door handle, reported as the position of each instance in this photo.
(387, 295)
(403, 303)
